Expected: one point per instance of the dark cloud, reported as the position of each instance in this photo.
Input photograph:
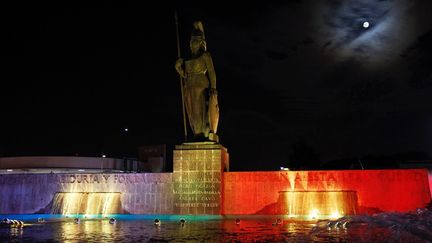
(342, 83)
(276, 55)
(421, 55)
(348, 17)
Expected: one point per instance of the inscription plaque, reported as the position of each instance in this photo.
(197, 178)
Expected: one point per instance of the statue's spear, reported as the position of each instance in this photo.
(181, 79)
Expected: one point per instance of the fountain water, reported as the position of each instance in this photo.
(317, 204)
(86, 203)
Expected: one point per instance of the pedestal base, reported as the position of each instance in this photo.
(197, 178)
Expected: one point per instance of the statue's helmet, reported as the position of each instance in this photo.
(198, 34)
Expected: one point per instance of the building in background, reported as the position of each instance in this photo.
(152, 158)
(66, 164)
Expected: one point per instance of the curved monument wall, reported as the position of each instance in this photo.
(144, 193)
(377, 190)
(430, 181)
(280, 192)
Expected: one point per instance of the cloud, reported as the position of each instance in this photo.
(342, 32)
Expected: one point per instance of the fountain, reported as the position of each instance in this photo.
(317, 204)
(87, 203)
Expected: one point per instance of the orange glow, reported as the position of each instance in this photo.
(333, 193)
(335, 215)
(317, 204)
(314, 213)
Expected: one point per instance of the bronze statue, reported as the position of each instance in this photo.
(199, 87)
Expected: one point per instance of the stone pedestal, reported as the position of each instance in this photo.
(197, 178)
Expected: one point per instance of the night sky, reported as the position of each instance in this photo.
(298, 81)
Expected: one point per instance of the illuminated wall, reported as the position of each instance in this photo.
(198, 187)
(430, 181)
(377, 190)
(145, 193)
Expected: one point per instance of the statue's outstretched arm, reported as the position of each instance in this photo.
(210, 70)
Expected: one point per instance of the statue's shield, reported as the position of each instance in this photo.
(213, 111)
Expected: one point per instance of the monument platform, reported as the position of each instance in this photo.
(197, 177)
(201, 185)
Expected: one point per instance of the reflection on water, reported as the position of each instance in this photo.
(16, 232)
(248, 230)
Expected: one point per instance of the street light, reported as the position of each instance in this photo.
(102, 157)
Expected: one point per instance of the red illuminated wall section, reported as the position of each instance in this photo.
(377, 190)
(430, 182)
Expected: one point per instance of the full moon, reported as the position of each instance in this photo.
(366, 25)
